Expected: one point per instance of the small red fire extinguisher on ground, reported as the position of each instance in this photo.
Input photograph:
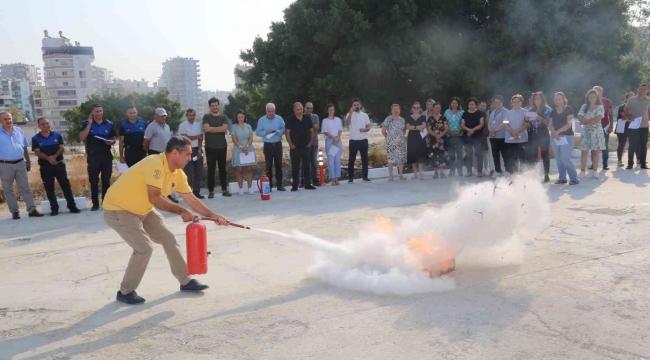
(197, 248)
(264, 185)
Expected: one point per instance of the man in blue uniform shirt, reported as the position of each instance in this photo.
(99, 136)
(48, 146)
(14, 165)
(132, 137)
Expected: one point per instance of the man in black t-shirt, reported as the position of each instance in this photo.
(300, 135)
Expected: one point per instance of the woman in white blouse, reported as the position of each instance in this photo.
(332, 127)
(593, 138)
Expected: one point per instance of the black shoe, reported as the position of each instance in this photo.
(350, 181)
(316, 184)
(54, 212)
(15, 216)
(75, 210)
(644, 167)
(302, 186)
(131, 298)
(547, 179)
(172, 199)
(194, 285)
(281, 188)
(629, 167)
(211, 196)
(294, 189)
(226, 194)
(591, 167)
(310, 187)
(560, 182)
(366, 180)
(199, 196)
(35, 213)
(605, 167)
(574, 182)
(94, 208)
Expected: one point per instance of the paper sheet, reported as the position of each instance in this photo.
(608, 126)
(268, 136)
(562, 141)
(333, 150)
(620, 126)
(533, 115)
(424, 133)
(121, 168)
(636, 123)
(101, 138)
(247, 159)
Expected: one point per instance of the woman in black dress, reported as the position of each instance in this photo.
(437, 128)
(416, 151)
(622, 137)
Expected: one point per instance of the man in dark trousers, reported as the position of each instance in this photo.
(300, 135)
(99, 136)
(132, 137)
(48, 147)
(215, 127)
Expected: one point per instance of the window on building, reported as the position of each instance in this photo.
(39, 112)
(84, 85)
(37, 93)
(65, 83)
(64, 123)
(61, 112)
(67, 102)
(66, 92)
(38, 103)
(64, 73)
(82, 74)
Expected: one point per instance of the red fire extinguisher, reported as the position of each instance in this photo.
(197, 248)
(264, 185)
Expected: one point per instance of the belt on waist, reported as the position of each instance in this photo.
(273, 143)
(11, 161)
(133, 148)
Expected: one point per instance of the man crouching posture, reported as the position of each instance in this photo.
(129, 210)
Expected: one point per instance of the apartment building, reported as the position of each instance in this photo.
(182, 78)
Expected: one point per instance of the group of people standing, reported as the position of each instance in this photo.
(459, 138)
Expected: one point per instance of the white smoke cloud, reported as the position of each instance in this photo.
(484, 227)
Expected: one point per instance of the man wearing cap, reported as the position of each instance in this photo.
(14, 165)
(129, 210)
(48, 147)
(157, 135)
(99, 136)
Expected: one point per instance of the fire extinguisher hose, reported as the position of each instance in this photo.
(229, 223)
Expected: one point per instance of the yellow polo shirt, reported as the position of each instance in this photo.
(129, 192)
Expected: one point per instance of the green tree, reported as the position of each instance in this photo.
(16, 114)
(400, 51)
(115, 106)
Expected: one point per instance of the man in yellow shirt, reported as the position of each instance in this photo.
(129, 210)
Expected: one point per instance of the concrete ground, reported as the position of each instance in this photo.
(583, 292)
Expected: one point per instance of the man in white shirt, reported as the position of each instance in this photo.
(194, 168)
(358, 124)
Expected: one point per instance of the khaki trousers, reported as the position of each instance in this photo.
(17, 172)
(140, 232)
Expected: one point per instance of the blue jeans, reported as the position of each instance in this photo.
(563, 159)
(333, 162)
(456, 154)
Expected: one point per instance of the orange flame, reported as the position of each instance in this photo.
(426, 250)
(382, 225)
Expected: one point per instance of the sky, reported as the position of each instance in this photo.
(133, 38)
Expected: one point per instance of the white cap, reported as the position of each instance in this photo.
(161, 112)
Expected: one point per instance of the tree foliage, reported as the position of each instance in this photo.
(16, 114)
(115, 107)
(400, 51)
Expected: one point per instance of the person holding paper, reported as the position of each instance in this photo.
(539, 118)
(416, 145)
(393, 129)
(636, 111)
(456, 136)
(606, 122)
(191, 129)
(99, 136)
(593, 139)
(332, 129)
(437, 129)
(562, 139)
(497, 132)
(516, 135)
(270, 128)
(48, 147)
(300, 135)
(243, 152)
(621, 129)
(473, 121)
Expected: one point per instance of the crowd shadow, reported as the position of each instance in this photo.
(586, 188)
(636, 177)
(111, 312)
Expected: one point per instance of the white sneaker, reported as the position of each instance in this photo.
(591, 174)
(241, 192)
(251, 191)
(596, 175)
(582, 174)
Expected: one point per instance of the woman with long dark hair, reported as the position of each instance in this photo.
(455, 136)
(538, 135)
(473, 121)
(562, 132)
(593, 139)
(242, 138)
(332, 128)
